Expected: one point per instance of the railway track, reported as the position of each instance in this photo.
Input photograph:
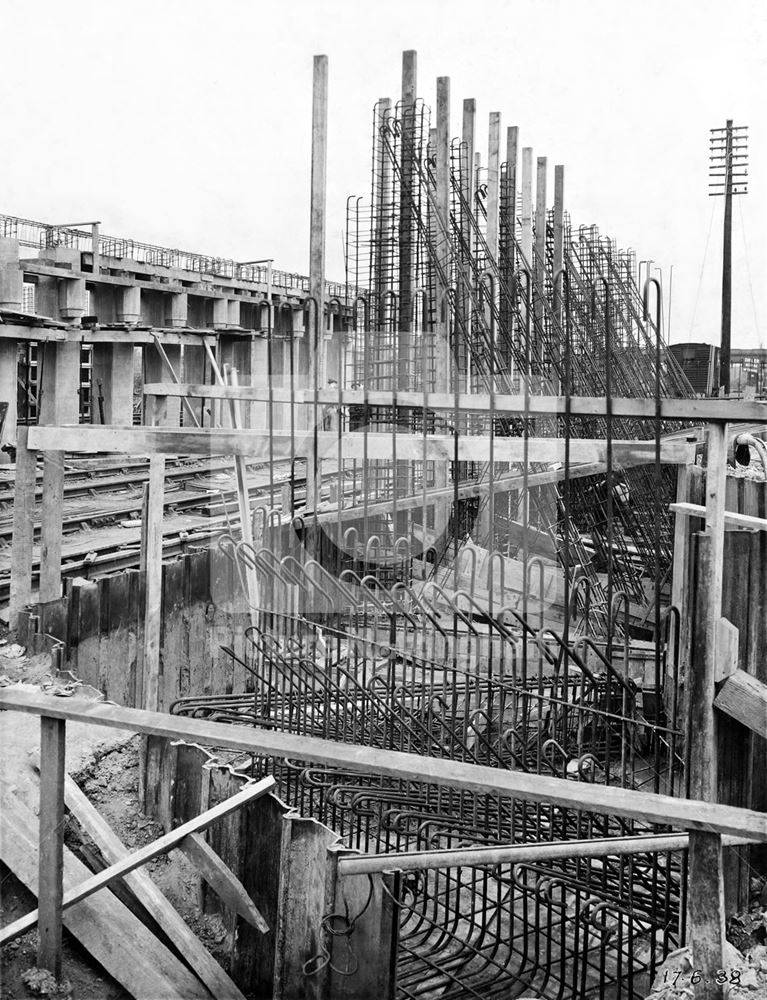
(99, 495)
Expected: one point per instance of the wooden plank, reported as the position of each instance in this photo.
(727, 643)
(51, 862)
(146, 892)
(683, 813)
(222, 880)
(21, 544)
(120, 943)
(143, 854)
(410, 447)
(744, 698)
(703, 755)
(85, 335)
(152, 546)
(50, 526)
(746, 522)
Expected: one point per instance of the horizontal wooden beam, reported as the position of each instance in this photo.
(500, 484)
(744, 697)
(143, 854)
(606, 799)
(700, 410)
(743, 522)
(149, 895)
(86, 335)
(222, 880)
(355, 445)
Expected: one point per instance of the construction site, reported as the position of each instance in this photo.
(396, 636)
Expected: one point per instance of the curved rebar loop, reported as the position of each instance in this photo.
(537, 561)
(398, 606)
(551, 746)
(368, 550)
(587, 764)
(402, 542)
(335, 308)
(556, 661)
(472, 552)
(509, 737)
(487, 279)
(585, 643)
(331, 581)
(432, 586)
(494, 623)
(495, 554)
(581, 582)
(356, 313)
(350, 546)
(432, 615)
(367, 591)
(295, 578)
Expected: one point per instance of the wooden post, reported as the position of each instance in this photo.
(317, 254)
(716, 484)
(50, 528)
(705, 887)
(23, 526)
(152, 546)
(50, 890)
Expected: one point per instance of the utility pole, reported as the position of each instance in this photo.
(728, 175)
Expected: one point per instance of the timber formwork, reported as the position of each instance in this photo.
(471, 633)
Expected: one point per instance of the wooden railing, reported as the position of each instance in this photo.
(706, 823)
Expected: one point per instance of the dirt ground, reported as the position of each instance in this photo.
(105, 764)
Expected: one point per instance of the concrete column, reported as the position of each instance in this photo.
(129, 305)
(11, 277)
(220, 314)
(179, 310)
(493, 182)
(60, 403)
(72, 298)
(233, 312)
(527, 205)
(194, 374)
(156, 371)
(8, 394)
(112, 378)
(259, 361)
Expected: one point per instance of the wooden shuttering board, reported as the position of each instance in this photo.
(119, 942)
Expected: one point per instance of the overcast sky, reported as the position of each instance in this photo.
(188, 124)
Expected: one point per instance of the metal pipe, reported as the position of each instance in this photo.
(412, 861)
